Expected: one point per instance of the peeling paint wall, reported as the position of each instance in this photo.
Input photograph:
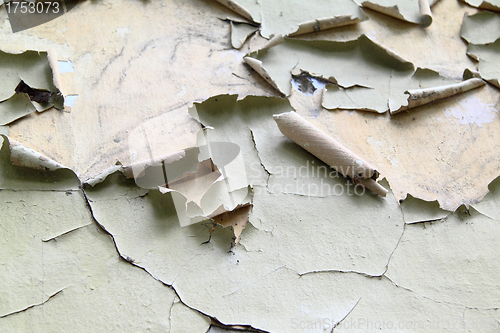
(157, 192)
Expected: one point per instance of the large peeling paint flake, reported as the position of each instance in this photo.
(481, 28)
(296, 17)
(127, 75)
(414, 11)
(296, 179)
(485, 4)
(330, 151)
(331, 61)
(366, 75)
(482, 32)
(24, 177)
(487, 55)
(29, 82)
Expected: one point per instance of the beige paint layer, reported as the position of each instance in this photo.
(453, 134)
(136, 67)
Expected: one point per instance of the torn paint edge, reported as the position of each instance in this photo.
(409, 197)
(237, 8)
(329, 150)
(26, 157)
(327, 23)
(56, 77)
(484, 5)
(238, 43)
(257, 64)
(424, 7)
(418, 97)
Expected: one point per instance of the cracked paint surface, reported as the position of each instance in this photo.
(59, 270)
(82, 247)
(292, 251)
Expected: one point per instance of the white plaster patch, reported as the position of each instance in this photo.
(65, 66)
(472, 111)
(70, 100)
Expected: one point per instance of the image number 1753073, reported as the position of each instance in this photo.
(25, 7)
(28, 14)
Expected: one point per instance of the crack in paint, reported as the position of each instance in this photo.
(107, 65)
(340, 272)
(34, 305)
(260, 159)
(65, 233)
(390, 256)
(348, 313)
(260, 278)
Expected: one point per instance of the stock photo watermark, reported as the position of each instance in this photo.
(186, 169)
(156, 165)
(28, 14)
(310, 179)
(370, 324)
